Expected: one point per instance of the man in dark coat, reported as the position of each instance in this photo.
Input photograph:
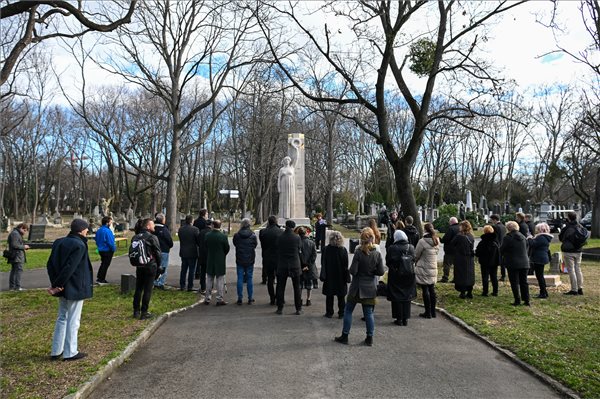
(448, 248)
(530, 224)
(289, 247)
(401, 285)
(17, 248)
(391, 228)
(268, 242)
(202, 256)
(201, 224)
(161, 231)
(411, 232)
(245, 243)
(70, 272)
(320, 231)
(523, 227)
(217, 248)
(500, 231)
(189, 243)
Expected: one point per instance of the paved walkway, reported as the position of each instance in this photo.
(250, 352)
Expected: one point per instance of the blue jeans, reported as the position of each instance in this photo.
(164, 262)
(64, 339)
(188, 267)
(248, 271)
(367, 312)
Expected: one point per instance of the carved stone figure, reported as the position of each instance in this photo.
(287, 188)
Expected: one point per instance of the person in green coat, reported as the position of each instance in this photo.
(217, 248)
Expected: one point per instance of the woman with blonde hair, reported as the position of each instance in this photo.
(539, 246)
(375, 229)
(464, 262)
(426, 268)
(366, 264)
(334, 273)
(489, 258)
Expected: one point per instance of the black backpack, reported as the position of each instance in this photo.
(580, 236)
(139, 251)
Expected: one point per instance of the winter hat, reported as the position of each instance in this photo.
(78, 225)
(399, 235)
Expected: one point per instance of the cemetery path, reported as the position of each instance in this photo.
(248, 351)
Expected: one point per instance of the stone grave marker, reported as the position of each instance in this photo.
(37, 232)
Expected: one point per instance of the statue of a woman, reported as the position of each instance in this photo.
(286, 188)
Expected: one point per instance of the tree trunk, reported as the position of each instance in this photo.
(404, 191)
(171, 203)
(596, 208)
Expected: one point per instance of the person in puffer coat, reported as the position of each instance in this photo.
(426, 268)
(245, 243)
(514, 253)
(539, 247)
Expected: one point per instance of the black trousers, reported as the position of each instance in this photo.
(429, 299)
(202, 274)
(144, 284)
(539, 274)
(329, 304)
(105, 259)
(401, 310)
(489, 273)
(281, 283)
(518, 282)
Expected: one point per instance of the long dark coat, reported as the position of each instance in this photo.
(16, 245)
(189, 241)
(464, 262)
(452, 232)
(488, 251)
(334, 270)
(268, 242)
(217, 246)
(289, 248)
(514, 251)
(69, 267)
(308, 258)
(400, 287)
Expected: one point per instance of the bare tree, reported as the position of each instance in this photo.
(389, 43)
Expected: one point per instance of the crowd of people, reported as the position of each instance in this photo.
(411, 260)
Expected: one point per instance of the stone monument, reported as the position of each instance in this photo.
(290, 182)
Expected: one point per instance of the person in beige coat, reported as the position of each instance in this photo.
(426, 268)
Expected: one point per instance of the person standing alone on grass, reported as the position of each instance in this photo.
(71, 278)
(217, 248)
(145, 274)
(17, 248)
(189, 243)
(572, 238)
(245, 243)
(161, 231)
(105, 241)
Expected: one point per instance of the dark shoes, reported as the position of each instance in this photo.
(494, 294)
(55, 357)
(251, 301)
(272, 303)
(328, 315)
(369, 341)
(462, 295)
(342, 339)
(308, 303)
(425, 315)
(279, 311)
(444, 280)
(101, 282)
(146, 315)
(136, 314)
(572, 293)
(542, 295)
(221, 303)
(79, 355)
(484, 294)
(469, 295)
(402, 322)
(207, 302)
(298, 312)
(580, 291)
(515, 303)
(239, 302)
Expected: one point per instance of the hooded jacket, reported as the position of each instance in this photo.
(426, 255)
(245, 243)
(488, 251)
(514, 251)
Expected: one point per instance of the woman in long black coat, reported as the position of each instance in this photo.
(464, 262)
(514, 253)
(401, 285)
(334, 273)
(489, 258)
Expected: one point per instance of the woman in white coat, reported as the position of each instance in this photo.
(426, 268)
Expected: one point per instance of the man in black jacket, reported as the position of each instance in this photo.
(202, 257)
(448, 248)
(189, 243)
(161, 231)
(572, 253)
(289, 247)
(500, 231)
(245, 243)
(201, 224)
(411, 231)
(146, 274)
(70, 272)
(268, 242)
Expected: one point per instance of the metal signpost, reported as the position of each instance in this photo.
(230, 194)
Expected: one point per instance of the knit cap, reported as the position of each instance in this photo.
(78, 225)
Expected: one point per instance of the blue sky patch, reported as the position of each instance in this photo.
(547, 59)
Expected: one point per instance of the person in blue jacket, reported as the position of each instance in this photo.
(105, 241)
(539, 247)
(70, 272)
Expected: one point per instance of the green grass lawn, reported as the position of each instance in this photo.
(107, 328)
(559, 335)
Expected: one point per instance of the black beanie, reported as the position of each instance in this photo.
(78, 225)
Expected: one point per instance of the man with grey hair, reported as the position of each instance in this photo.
(448, 248)
(217, 248)
(245, 243)
(161, 231)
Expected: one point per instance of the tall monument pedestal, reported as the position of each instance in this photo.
(294, 208)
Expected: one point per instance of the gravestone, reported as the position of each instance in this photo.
(42, 219)
(37, 232)
(96, 211)
(469, 203)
